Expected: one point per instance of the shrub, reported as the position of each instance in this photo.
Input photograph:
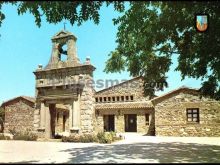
(87, 138)
(108, 137)
(27, 136)
(2, 137)
(101, 137)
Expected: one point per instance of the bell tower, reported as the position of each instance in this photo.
(59, 41)
(65, 82)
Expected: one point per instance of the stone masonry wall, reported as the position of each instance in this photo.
(171, 119)
(120, 121)
(87, 112)
(132, 87)
(19, 116)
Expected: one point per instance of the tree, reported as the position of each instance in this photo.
(149, 35)
(57, 11)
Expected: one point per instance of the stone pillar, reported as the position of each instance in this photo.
(48, 122)
(72, 52)
(76, 113)
(42, 116)
(70, 117)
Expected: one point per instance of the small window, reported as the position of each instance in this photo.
(131, 98)
(113, 99)
(122, 98)
(192, 115)
(109, 99)
(118, 98)
(147, 119)
(100, 99)
(96, 99)
(104, 99)
(127, 98)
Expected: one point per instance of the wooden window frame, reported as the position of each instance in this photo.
(190, 114)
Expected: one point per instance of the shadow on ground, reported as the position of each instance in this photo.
(146, 152)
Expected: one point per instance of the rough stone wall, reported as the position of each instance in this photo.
(132, 87)
(19, 116)
(171, 119)
(120, 121)
(87, 112)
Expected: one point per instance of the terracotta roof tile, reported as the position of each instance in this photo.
(124, 105)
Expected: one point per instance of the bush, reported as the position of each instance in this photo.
(101, 137)
(108, 137)
(87, 138)
(27, 136)
(2, 137)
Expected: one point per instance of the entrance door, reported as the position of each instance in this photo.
(109, 123)
(131, 123)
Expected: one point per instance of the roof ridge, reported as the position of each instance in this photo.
(175, 90)
(29, 98)
(119, 84)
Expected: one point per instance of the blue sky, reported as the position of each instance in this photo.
(23, 46)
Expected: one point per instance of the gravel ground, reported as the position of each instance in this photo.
(134, 149)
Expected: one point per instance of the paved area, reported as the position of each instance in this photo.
(134, 149)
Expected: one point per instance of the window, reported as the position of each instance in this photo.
(100, 99)
(122, 98)
(109, 99)
(131, 98)
(118, 98)
(96, 99)
(104, 99)
(127, 98)
(113, 99)
(147, 119)
(192, 114)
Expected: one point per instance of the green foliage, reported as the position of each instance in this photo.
(101, 137)
(107, 137)
(57, 11)
(2, 137)
(26, 135)
(87, 138)
(151, 33)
